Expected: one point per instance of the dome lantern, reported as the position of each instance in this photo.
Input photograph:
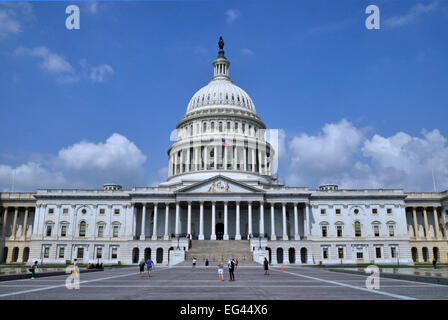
(221, 64)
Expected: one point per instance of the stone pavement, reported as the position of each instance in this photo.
(186, 283)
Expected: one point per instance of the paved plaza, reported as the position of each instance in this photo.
(186, 283)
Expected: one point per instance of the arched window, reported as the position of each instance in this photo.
(212, 126)
(357, 229)
(82, 229)
(204, 127)
(220, 126)
(191, 130)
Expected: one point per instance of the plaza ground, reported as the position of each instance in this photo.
(186, 283)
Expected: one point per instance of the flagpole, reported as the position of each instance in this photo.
(434, 180)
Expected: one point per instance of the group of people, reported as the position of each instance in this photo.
(149, 264)
(95, 266)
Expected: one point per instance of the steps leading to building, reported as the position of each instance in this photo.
(215, 250)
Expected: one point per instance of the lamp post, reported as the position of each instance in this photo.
(178, 238)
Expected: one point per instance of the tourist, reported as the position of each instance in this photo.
(220, 271)
(266, 266)
(194, 262)
(33, 270)
(231, 270)
(76, 263)
(149, 264)
(236, 264)
(142, 267)
(206, 263)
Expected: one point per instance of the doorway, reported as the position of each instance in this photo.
(219, 231)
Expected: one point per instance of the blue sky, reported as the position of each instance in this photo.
(361, 108)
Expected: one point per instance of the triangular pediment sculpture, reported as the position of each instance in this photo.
(219, 184)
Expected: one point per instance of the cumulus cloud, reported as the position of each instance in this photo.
(8, 25)
(11, 16)
(232, 15)
(83, 164)
(416, 11)
(50, 61)
(99, 73)
(342, 154)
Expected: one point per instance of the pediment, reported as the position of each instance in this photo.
(220, 184)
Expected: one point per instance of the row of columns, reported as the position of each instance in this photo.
(176, 162)
(425, 221)
(14, 224)
(237, 220)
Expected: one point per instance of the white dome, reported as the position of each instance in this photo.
(221, 93)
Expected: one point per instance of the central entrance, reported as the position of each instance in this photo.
(219, 231)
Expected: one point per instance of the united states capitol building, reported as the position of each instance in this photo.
(221, 199)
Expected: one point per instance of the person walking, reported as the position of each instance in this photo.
(266, 266)
(149, 264)
(231, 270)
(142, 267)
(33, 270)
(206, 263)
(194, 262)
(76, 263)
(220, 271)
(236, 264)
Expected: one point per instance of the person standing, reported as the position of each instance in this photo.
(142, 267)
(236, 264)
(76, 263)
(220, 271)
(266, 266)
(33, 270)
(194, 262)
(149, 264)
(206, 263)
(231, 270)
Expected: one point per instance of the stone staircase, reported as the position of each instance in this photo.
(215, 250)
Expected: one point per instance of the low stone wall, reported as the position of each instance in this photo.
(8, 277)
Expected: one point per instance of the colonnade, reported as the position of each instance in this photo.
(14, 224)
(438, 233)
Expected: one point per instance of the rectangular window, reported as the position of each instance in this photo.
(114, 253)
(63, 230)
(324, 231)
(102, 211)
(117, 211)
(48, 233)
(378, 253)
(325, 253)
(376, 230)
(100, 231)
(341, 253)
(359, 255)
(338, 211)
(65, 211)
(115, 231)
(61, 252)
(82, 229)
(80, 254)
(357, 229)
(46, 252)
(389, 210)
(391, 230)
(374, 211)
(99, 253)
(322, 211)
(393, 252)
(339, 231)
(51, 211)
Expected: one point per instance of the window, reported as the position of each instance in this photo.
(236, 126)
(114, 253)
(338, 211)
(376, 230)
(213, 126)
(65, 211)
(393, 252)
(80, 254)
(389, 211)
(51, 211)
(324, 231)
(99, 253)
(374, 211)
(83, 211)
(339, 231)
(115, 231)
(63, 230)
(359, 255)
(228, 125)
(341, 253)
(61, 252)
(100, 231)
(378, 252)
(391, 230)
(357, 229)
(322, 211)
(204, 127)
(325, 253)
(356, 211)
(220, 126)
(102, 211)
(46, 252)
(117, 211)
(48, 233)
(82, 229)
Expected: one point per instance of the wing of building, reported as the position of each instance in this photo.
(221, 200)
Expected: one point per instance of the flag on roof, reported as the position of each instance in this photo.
(226, 142)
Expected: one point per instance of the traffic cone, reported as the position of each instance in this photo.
(282, 268)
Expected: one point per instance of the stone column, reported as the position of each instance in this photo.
(226, 226)
(249, 219)
(259, 162)
(14, 223)
(244, 159)
(215, 156)
(189, 219)
(134, 222)
(285, 235)
(261, 222)
(36, 219)
(307, 220)
(142, 234)
(201, 221)
(273, 236)
(177, 222)
(154, 226)
(25, 222)
(187, 163)
(196, 158)
(182, 161)
(166, 236)
(425, 218)
(235, 157)
(237, 230)
(266, 164)
(253, 160)
(213, 235)
(205, 157)
(296, 223)
(5, 219)
(414, 216)
(436, 222)
(175, 162)
(225, 157)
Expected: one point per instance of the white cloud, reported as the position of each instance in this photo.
(92, 7)
(12, 15)
(99, 73)
(232, 15)
(8, 25)
(247, 51)
(342, 154)
(416, 11)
